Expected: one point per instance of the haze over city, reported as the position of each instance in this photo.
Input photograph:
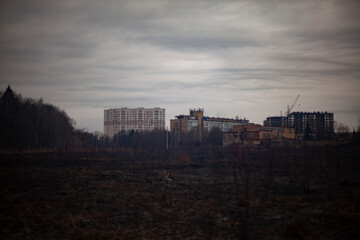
(245, 58)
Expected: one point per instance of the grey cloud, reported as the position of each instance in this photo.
(196, 43)
(108, 89)
(178, 53)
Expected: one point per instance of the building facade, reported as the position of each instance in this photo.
(276, 121)
(137, 119)
(256, 134)
(199, 123)
(319, 124)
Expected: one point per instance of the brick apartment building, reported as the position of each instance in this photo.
(196, 120)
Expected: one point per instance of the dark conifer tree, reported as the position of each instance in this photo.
(308, 134)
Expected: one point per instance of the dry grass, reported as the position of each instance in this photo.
(107, 197)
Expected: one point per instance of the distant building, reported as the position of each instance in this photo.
(320, 124)
(197, 122)
(256, 134)
(137, 119)
(276, 121)
(98, 135)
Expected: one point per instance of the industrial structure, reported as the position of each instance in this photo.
(320, 125)
(257, 134)
(137, 119)
(288, 111)
(199, 123)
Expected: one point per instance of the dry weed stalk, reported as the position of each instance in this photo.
(164, 176)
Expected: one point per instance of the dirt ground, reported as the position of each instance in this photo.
(206, 193)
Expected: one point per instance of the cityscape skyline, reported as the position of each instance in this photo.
(245, 58)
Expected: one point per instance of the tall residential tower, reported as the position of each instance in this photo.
(137, 119)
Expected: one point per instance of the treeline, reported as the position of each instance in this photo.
(26, 123)
(189, 139)
(155, 139)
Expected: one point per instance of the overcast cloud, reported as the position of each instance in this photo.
(245, 58)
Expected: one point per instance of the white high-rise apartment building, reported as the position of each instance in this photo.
(137, 119)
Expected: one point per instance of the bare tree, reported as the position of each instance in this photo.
(341, 128)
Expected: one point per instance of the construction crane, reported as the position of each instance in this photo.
(291, 107)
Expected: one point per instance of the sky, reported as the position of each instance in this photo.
(233, 58)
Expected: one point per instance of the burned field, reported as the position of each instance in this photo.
(200, 193)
